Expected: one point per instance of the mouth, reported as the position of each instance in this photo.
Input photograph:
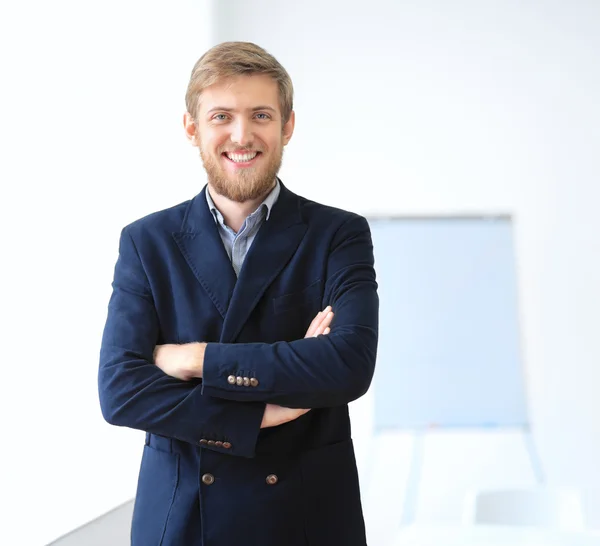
(241, 159)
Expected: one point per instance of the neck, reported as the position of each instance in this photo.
(235, 213)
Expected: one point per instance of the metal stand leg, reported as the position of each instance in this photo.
(414, 477)
(534, 457)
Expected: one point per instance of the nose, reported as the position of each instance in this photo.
(241, 133)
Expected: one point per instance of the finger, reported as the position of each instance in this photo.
(323, 315)
(327, 320)
(327, 330)
(316, 322)
(313, 325)
(322, 327)
(324, 324)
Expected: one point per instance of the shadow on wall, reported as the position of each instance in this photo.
(112, 528)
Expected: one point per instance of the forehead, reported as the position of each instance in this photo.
(241, 93)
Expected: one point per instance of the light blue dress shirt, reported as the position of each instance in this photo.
(238, 244)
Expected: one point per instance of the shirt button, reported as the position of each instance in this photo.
(208, 479)
(272, 479)
(231, 380)
(254, 382)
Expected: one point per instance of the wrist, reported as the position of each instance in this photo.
(196, 359)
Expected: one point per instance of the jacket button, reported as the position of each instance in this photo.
(246, 381)
(211, 443)
(231, 380)
(218, 443)
(239, 381)
(272, 479)
(226, 445)
(203, 442)
(254, 382)
(208, 479)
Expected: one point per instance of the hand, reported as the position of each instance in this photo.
(183, 362)
(278, 415)
(320, 324)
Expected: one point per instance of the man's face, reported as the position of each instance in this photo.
(240, 135)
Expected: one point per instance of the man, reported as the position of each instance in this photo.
(221, 341)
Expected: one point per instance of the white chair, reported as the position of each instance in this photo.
(540, 507)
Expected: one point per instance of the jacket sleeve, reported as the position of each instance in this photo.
(137, 394)
(326, 371)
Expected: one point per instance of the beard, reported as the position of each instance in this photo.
(248, 184)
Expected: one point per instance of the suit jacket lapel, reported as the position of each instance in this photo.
(275, 243)
(202, 247)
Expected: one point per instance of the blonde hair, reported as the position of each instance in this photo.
(235, 59)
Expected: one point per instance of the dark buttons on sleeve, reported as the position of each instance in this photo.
(231, 380)
(226, 445)
(208, 479)
(254, 382)
(272, 479)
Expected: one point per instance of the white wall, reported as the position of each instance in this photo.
(92, 103)
(429, 106)
(417, 107)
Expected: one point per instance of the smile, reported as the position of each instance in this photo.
(246, 157)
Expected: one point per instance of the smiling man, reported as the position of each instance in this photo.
(241, 324)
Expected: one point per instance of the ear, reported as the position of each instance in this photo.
(288, 128)
(189, 126)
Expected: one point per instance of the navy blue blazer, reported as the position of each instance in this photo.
(209, 475)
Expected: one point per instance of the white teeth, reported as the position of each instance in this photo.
(241, 158)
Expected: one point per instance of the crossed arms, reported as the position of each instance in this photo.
(186, 362)
(326, 371)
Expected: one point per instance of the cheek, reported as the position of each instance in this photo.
(213, 140)
(273, 142)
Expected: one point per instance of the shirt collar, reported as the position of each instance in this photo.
(269, 203)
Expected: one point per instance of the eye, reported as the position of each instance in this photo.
(263, 116)
(220, 117)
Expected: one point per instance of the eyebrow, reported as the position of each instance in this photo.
(255, 109)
